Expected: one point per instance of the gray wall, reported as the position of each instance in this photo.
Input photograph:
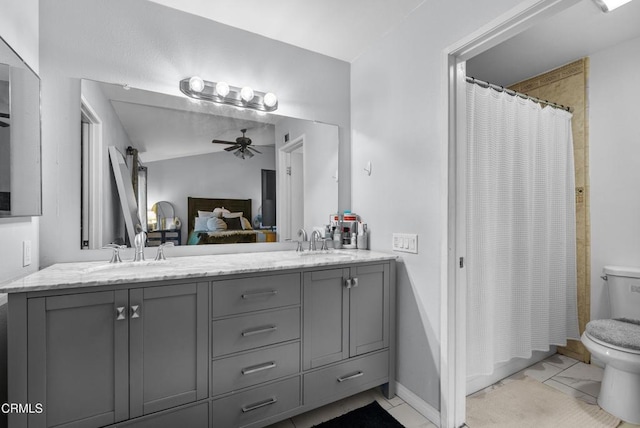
(398, 107)
(153, 47)
(614, 154)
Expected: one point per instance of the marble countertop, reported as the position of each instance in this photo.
(87, 274)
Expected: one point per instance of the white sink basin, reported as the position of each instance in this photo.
(129, 265)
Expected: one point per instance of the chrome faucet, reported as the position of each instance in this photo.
(303, 233)
(315, 235)
(160, 254)
(139, 242)
(115, 256)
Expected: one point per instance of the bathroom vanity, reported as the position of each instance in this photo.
(209, 341)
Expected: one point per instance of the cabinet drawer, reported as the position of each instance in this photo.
(346, 378)
(194, 416)
(238, 296)
(255, 367)
(256, 404)
(252, 331)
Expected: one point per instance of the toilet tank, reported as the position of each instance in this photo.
(623, 285)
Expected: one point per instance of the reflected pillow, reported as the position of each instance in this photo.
(201, 224)
(215, 224)
(205, 213)
(233, 223)
(246, 224)
(218, 212)
(232, 215)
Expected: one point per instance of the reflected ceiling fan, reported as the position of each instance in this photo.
(242, 146)
(3, 123)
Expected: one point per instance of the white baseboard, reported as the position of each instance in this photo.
(418, 403)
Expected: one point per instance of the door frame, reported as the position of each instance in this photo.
(453, 275)
(283, 204)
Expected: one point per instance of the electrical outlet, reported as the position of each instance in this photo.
(405, 242)
(26, 253)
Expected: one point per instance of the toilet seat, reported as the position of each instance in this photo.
(612, 346)
(620, 334)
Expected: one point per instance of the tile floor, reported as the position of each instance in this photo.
(565, 374)
(569, 376)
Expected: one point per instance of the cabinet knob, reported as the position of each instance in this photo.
(120, 313)
(135, 311)
(351, 282)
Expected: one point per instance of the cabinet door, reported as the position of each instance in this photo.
(326, 317)
(78, 359)
(369, 309)
(168, 346)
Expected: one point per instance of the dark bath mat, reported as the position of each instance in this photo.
(369, 416)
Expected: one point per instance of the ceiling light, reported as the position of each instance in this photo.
(246, 94)
(222, 89)
(223, 93)
(196, 84)
(270, 99)
(609, 5)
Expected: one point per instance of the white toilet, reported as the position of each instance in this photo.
(616, 342)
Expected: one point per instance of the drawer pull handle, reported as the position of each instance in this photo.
(259, 368)
(260, 330)
(353, 376)
(121, 314)
(259, 294)
(255, 406)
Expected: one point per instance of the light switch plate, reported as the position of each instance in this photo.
(405, 242)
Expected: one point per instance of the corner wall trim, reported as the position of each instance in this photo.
(424, 408)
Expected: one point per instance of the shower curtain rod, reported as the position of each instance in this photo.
(515, 94)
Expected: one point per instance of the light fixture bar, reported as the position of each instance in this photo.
(245, 97)
(609, 5)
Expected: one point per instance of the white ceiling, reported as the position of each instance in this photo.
(578, 31)
(341, 29)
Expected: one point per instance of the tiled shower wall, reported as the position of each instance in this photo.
(567, 86)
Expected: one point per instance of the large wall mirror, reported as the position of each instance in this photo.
(219, 191)
(20, 168)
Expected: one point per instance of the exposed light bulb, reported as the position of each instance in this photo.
(222, 89)
(270, 99)
(196, 84)
(246, 94)
(609, 5)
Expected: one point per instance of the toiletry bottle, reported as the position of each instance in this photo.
(337, 239)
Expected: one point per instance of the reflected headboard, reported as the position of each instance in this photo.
(208, 204)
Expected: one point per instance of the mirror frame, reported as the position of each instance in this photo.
(23, 166)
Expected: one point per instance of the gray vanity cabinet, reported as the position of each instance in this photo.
(346, 313)
(101, 357)
(78, 361)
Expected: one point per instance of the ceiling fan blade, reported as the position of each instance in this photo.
(3, 125)
(223, 142)
(232, 148)
(5, 115)
(255, 150)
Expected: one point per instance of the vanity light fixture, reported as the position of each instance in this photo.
(223, 93)
(609, 5)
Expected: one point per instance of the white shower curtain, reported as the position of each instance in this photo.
(521, 243)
